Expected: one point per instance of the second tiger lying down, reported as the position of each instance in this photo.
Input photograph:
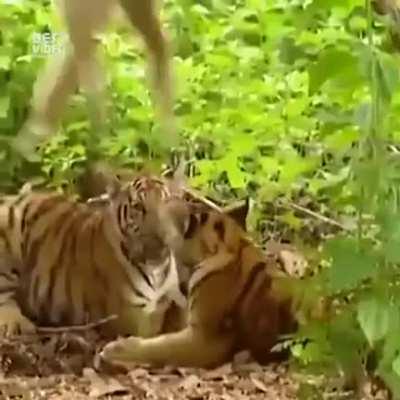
(237, 300)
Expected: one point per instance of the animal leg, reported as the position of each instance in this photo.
(61, 76)
(84, 19)
(144, 17)
(186, 348)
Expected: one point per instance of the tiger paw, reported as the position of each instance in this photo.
(12, 322)
(122, 351)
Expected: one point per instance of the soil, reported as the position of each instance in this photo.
(63, 366)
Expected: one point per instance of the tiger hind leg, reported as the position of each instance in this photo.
(13, 322)
(186, 348)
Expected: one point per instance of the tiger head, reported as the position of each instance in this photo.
(137, 209)
(201, 231)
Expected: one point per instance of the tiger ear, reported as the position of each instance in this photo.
(238, 212)
(95, 179)
(177, 182)
(113, 187)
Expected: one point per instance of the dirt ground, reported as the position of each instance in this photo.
(63, 366)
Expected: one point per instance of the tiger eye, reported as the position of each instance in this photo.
(138, 207)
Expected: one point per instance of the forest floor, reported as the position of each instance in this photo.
(61, 366)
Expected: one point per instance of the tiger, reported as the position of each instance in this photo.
(239, 298)
(66, 262)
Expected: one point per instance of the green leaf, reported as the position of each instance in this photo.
(289, 51)
(347, 4)
(373, 316)
(347, 342)
(387, 75)
(296, 107)
(350, 264)
(391, 345)
(236, 177)
(389, 233)
(290, 219)
(358, 23)
(242, 144)
(295, 166)
(5, 61)
(342, 140)
(330, 64)
(391, 249)
(270, 165)
(396, 365)
(4, 106)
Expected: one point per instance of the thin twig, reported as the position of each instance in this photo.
(202, 199)
(172, 170)
(317, 216)
(75, 328)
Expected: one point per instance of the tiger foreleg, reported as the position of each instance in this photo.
(186, 348)
(12, 321)
(151, 321)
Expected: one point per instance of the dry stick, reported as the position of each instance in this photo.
(321, 217)
(317, 216)
(75, 328)
(201, 198)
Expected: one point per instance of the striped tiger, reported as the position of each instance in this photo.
(238, 299)
(64, 262)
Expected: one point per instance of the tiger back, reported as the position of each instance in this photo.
(237, 300)
(65, 263)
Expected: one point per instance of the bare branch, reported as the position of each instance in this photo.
(75, 328)
(316, 215)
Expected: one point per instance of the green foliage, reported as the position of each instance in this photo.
(352, 263)
(288, 101)
(373, 316)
